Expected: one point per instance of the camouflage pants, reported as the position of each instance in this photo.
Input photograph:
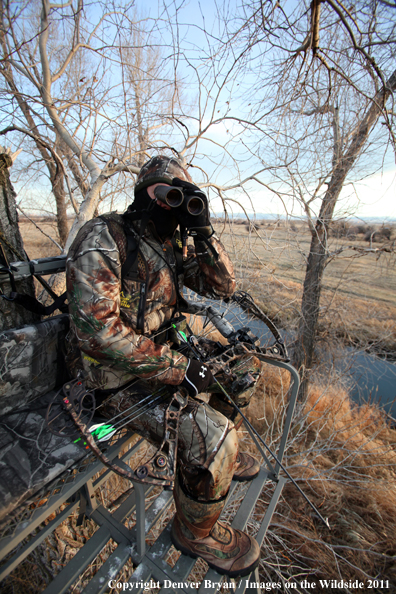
(207, 440)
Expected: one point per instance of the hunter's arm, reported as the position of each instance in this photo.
(94, 288)
(207, 274)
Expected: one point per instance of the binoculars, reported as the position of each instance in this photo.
(188, 201)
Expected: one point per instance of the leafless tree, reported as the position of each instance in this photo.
(325, 77)
(56, 174)
(109, 95)
(67, 103)
(96, 105)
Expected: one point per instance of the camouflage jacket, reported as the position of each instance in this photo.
(103, 306)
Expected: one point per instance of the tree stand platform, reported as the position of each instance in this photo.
(48, 493)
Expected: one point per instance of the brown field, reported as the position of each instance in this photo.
(358, 301)
(37, 242)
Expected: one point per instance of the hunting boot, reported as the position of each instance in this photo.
(197, 532)
(247, 467)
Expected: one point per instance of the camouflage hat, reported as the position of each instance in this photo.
(160, 169)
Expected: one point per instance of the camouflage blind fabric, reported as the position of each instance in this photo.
(31, 456)
(30, 358)
(32, 364)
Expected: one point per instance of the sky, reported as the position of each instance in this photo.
(373, 197)
(376, 195)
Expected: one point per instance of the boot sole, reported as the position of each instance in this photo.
(245, 479)
(231, 574)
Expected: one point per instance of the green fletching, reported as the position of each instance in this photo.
(102, 431)
(180, 333)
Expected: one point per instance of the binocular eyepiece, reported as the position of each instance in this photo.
(176, 198)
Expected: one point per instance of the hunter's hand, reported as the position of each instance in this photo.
(198, 377)
(199, 223)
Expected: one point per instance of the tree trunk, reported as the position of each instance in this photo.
(304, 351)
(56, 177)
(58, 188)
(12, 315)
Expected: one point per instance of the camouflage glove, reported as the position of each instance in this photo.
(198, 378)
(199, 223)
(240, 383)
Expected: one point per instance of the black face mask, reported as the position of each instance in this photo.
(164, 221)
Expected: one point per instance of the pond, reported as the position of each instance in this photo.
(373, 379)
(370, 378)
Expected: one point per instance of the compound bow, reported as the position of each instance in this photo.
(161, 468)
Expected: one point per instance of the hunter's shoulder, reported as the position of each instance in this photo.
(105, 232)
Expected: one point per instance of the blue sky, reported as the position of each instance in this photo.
(375, 196)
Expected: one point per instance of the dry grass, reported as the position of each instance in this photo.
(358, 299)
(342, 456)
(37, 243)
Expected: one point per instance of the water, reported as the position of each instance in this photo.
(371, 379)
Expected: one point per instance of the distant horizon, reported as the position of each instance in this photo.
(241, 215)
(371, 199)
(269, 216)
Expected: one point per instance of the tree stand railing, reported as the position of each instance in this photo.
(151, 569)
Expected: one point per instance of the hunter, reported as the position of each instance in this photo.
(125, 278)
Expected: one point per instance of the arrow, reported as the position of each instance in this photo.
(101, 432)
(180, 334)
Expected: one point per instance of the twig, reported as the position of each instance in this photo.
(41, 231)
